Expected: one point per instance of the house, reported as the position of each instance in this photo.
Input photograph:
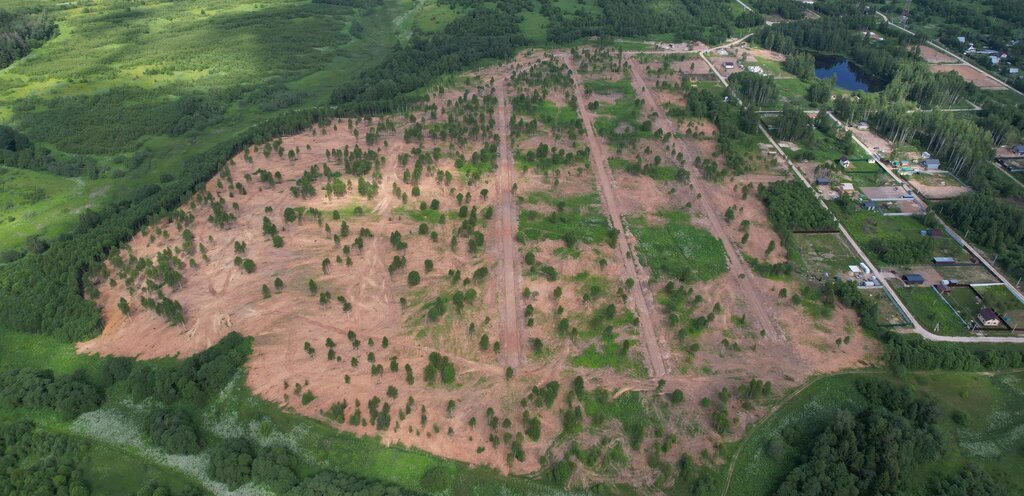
(844, 161)
(755, 69)
(988, 317)
(1013, 70)
(943, 260)
(1018, 149)
(729, 65)
(913, 279)
(847, 188)
(822, 181)
(931, 164)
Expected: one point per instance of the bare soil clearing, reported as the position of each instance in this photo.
(477, 135)
(970, 74)
(935, 56)
(738, 267)
(640, 296)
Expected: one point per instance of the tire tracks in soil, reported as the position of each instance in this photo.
(512, 332)
(740, 274)
(639, 295)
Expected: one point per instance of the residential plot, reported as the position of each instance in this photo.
(932, 311)
(824, 254)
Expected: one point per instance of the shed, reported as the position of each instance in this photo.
(942, 288)
(988, 317)
(1018, 149)
(729, 65)
(847, 187)
(822, 181)
(931, 164)
(844, 161)
(869, 205)
(943, 260)
(863, 126)
(913, 279)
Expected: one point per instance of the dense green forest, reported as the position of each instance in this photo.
(20, 32)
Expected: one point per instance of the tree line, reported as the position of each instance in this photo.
(21, 32)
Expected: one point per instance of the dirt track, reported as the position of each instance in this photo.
(639, 295)
(512, 330)
(739, 272)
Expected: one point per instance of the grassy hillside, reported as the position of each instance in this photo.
(138, 87)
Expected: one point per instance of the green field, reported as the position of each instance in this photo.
(1000, 299)
(888, 313)
(140, 88)
(825, 252)
(673, 247)
(929, 309)
(574, 219)
(989, 436)
(868, 228)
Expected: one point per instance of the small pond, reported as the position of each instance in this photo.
(848, 76)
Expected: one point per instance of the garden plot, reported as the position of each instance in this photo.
(932, 311)
(999, 298)
(824, 255)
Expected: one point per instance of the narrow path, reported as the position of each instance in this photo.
(512, 330)
(740, 274)
(639, 294)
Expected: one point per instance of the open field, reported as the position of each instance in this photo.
(934, 56)
(970, 74)
(122, 87)
(931, 311)
(383, 267)
(825, 253)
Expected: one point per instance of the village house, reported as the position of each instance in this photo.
(988, 317)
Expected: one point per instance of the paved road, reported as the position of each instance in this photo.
(639, 294)
(740, 274)
(512, 330)
(917, 328)
(951, 54)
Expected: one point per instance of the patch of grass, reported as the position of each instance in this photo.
(610, 355)
(576, 218)
(825, 252)
(21, 350)
(677, 248)
(929, 309)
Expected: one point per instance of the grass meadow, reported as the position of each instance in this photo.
(140, 87)
(988, 433)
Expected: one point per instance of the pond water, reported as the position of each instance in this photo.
(848, 76)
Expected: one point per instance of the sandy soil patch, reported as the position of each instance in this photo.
(970, 74)
(935, 56)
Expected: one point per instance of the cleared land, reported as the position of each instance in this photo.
(369, 260)
(970, 74)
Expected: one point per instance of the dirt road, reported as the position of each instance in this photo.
(639, 294)
(740, 274)
(512, 331)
